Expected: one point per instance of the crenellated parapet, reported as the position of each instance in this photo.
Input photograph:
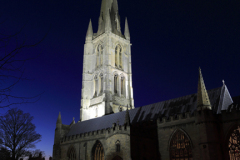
(118, 129)
(104, 133)
(177, 120)
(206, 116)
(231, 114)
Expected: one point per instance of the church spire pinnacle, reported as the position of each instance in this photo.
(109, 20)
(126, 32)
(202, 95)
(89, 32)
(59, 120)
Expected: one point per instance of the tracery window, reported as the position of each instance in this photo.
(71, 154)
(118, 146)
(118, 56)
(99, 55)
(180, 148)
(115, 83)
(98, 152)
(234, 145)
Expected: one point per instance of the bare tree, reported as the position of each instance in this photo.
(18, 133)
(12, 64)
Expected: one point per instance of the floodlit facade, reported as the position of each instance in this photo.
(201, 126)
(107, 73)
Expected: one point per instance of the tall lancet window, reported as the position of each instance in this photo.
(101, 83)
(118, 56)
(122, 85)
(115, 83)
(234, 145)
(95, 86)
(99, 55)
(98, 152)
(180, 147)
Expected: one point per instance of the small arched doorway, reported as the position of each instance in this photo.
(117, 158)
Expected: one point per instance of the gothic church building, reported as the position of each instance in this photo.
(201, 126)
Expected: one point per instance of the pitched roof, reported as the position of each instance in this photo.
(153, 111)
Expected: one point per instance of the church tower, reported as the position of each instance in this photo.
(107, 73)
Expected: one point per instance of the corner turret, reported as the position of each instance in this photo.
(126, 32)
(59, 121)
(89, 34)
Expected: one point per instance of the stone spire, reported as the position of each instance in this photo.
(108, 25)
(127, 118)
(126, 32)
(59, 121)
(109, 19)
(202, 95)
(89, 32)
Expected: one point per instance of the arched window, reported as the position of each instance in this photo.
(118, 56)
(118, 146)
(99, 55)
(95, 86)
(180, 147)
(98, 152)
(115, 83)
(71, 154)
(233, 145)
(122, 85)
(101, 83)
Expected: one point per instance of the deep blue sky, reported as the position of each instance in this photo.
(170, 38)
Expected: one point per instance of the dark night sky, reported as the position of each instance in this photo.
(170, 38)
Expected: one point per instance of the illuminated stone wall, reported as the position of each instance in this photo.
(99, 68)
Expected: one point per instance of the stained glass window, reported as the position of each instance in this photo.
(180, 148)
(98, 153)
(234, 145)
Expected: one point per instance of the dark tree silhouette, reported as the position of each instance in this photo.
(18, 133)
(12, 64)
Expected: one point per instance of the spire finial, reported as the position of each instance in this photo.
(126, 32)
(89, 32)
(223, 82)
(202, 95)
